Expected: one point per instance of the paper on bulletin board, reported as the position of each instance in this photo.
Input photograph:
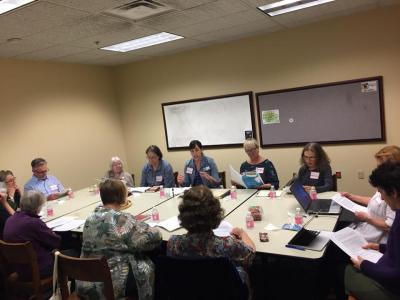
(369, 86)
(270, 116)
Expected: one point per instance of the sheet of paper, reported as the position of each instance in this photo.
(170, 224)
(224, 229)
(139, 189)
(271, 227)
(265, 193)
(348, 204)
(70, 225)
(180, 190)
(59, 221)
(235, 176)
(351, 242)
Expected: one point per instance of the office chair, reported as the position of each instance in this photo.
(223, 179)
(198, 278)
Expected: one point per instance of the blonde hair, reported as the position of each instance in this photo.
(388, 153)
(250, 144)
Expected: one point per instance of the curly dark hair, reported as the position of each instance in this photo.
(199, 210)
(322, 159)
(387, 177)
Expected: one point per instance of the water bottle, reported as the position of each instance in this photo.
(298, 218)
(49, 209)
(272, 192)
(70, 193)
(162, 192)
(155, 216)
(249, 221)
(233, 192)
(313, 193)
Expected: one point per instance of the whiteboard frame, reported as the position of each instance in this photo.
(232, 144)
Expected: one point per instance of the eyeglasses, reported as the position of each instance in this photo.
(309, 157)
(11, 180)
(250, 150)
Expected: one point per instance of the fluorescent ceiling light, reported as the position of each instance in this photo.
(286, 6)
(7, 5)
(143, 42)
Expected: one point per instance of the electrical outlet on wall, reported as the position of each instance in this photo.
(360, 174)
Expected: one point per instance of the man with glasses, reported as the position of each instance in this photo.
(48, 185)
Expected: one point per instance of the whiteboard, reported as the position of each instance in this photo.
(218, 121)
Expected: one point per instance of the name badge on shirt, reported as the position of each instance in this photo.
(54, 188)
(314, 175)
(259, 170)
(159, 178)
(205, 169)
(189, 170)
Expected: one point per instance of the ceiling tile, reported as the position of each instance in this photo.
(50, 53)
(95, 6)
(113, 37)
(166, 48)
(36, 17)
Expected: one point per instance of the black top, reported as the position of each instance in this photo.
(320, 178)
(266, 170)
(4, 213)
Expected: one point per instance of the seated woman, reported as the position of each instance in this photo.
(375, 224)
(11, 198)
(315, 169)
(257, 163)
(157, 171)
(200, 170)
(122, 240)
(26, 225)
(368, 280)
(199, 214)
(117, 172)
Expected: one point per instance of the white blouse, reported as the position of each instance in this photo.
(377, 208)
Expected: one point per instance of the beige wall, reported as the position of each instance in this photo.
(356, 46)
(65, 113)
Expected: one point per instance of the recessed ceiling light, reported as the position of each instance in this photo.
(7, 5)
(286, 6)
(143, 42)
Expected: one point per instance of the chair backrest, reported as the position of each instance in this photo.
(198, 278)
(223, 178)
(133, 179)
(20, 254)
(84, 269)
(334, 181)
(176, 178)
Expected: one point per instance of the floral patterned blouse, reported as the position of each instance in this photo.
(207, 244)
(121, 239)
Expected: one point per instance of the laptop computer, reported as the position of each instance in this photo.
(320, 206)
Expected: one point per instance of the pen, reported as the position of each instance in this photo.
(296, 247)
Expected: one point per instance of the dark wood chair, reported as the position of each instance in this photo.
(22, 254)
(85, 269)
(222, 176)
(334, 181)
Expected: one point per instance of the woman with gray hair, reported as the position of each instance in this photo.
(25, 225)
(116, 171)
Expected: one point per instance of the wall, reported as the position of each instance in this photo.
(361, 45)
(64, 113)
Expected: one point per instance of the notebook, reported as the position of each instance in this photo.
(320, 206)
(310, 239)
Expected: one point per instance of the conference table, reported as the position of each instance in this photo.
(276, 212)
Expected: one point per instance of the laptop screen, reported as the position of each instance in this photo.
(301, 195)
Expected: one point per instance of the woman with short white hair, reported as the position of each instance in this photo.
(116, 171)
(260, 165)
(26, 225)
